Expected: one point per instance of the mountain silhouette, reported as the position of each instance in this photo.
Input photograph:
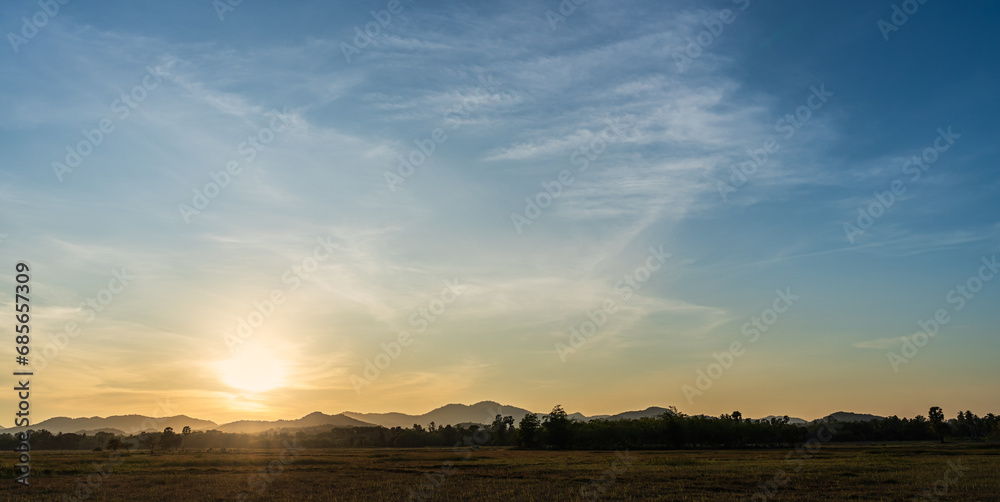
(452, 414)
(791, 420)
(124, 424)
(845, 416)
(313, 419)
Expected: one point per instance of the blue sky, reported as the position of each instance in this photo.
(509, 96)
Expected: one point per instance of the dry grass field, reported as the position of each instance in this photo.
(959, 472)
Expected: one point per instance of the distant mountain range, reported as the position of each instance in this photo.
(453, 414)
(843, 416)
(117, 424)
(311, 420)
(480, 413)
(791, 420)
(653, 411)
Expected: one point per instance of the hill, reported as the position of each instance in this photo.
(314, 419)
(480, 413)
(791, 420)
(844, 416)
(652, 411)
(129, 424)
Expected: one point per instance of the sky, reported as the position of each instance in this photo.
(259, 209)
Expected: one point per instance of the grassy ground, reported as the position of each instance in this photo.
(960, 472)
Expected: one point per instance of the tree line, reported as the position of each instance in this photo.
(671, 430)
(966, 425)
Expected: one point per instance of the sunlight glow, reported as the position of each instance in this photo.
(252, 369)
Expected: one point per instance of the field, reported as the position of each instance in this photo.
(959, 472)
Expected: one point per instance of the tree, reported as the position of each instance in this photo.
(527, 430)
(103, 438)
(149, 440)
(509, 422)
(169, 439)
(499, 429)
(737, 416)
(938, 424)
(186, 430)
(557, 426)
(971, 422)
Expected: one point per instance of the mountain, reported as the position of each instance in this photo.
(844, 416)
(652, 411)
(791, 420)
(451, 414)
(129, 424)
(480, 413)
(134, 424)
(117, 432)
(313, 419)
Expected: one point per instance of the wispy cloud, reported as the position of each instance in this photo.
(553, 95)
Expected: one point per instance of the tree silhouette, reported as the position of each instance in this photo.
(500, 428)
(169, 439)
(103, 438)
(557, 425)
(509, 422)
(938, 424)
(527, 431)
(149, 440)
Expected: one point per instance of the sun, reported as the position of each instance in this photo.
(252, 369)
